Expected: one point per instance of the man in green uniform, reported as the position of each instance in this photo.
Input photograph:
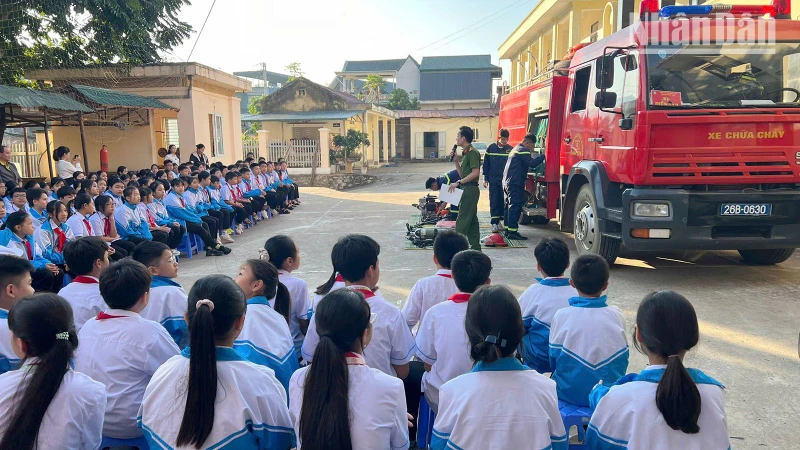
(469, 167)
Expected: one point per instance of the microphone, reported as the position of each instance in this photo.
(453, 153)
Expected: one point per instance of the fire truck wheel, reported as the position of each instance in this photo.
(588, 238)
(766, 257)
(540, 220)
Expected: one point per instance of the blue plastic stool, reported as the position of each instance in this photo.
(424, 424)
(66, 279)
(575, 416)
(188, 245)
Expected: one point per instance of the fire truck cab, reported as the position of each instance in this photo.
(656, 142)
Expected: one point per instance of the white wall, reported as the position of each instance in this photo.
(408, 76)
(486, 126)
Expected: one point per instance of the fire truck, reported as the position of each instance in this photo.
(657, 139)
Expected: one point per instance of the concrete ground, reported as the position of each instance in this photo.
(749, 316)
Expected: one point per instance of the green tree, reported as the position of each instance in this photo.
(77, 33)
(401, 100)
(351, 143)
(373, 86)
(295, 71)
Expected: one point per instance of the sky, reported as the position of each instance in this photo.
(322, 34)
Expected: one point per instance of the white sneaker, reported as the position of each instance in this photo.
(495, 228)
(225, 238)
(240, 229)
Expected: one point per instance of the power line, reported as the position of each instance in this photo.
(481, 26)
(201, 29)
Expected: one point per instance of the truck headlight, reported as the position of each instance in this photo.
(650, 209)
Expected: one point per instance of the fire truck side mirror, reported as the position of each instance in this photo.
(604, 72)
(605, 99)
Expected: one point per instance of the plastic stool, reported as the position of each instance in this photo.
(188, 246)
(424, 424)
(198, 243)
(575, 416)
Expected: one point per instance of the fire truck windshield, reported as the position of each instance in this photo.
(724, 76)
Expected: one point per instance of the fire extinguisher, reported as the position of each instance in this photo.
(104, 159)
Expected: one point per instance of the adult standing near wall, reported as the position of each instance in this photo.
(172, 155)
(8, 171)
(66, 164)
(199, 155)
(468, 166)
(494, 162)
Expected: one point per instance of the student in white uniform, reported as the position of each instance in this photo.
(283, 253)
(86, 257)
(16, 283)
(522, 401)
(334, 282)
(392, 343)
(168, 300)
(442, 342)
(209, 395)
(47, 405)
(122, 350)
(265, 338)
(587, 338)
(430, 291)
(339, 401)
(666, 406)
(541, 300)
(79, 223)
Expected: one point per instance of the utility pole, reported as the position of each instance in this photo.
(266, 83)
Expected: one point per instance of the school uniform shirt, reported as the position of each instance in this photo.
(74, 419)
(265, 340)
(226, 192)
(130, 223)
(195, 202)
(442, 342)
(167, 306)
(376, 406)
(427, 292)
(38, 219)
(391, 344)
(587, 344)
(24, 247)
(101, 225)
(216, 199)
(298, 292)
(499, 405)
(148, 217)
(118, 201)
(626, 416)
(176, 206)
(338, 284)
(122, 350)
(12, 208)
(8, 204)
(539, 304)
(51, 239)
(159, 211)
(80, 226)
(83, 295)
(8, 359)
(250, 409)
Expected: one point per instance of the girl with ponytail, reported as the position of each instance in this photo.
(667, 405)
(339, 403)
(283, 253)
(209, 395)
(334, 282)
(265, 338)
(47, 405)
(498, 386)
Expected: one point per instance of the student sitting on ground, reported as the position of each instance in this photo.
(46, 404)
(122, 350)
(130, 224)
(340, 402)
(176, 206)
(430, 291)
(498, 386)
(15, 282)
(16, 237)
(54, 234)
(587, 338)
(209, 395)
(541, 300)
(283, 253)
(37, 205)
(86, 258)
(666, 406)
(265, 338)
(442, 342)
(104, 226)
(167, 304)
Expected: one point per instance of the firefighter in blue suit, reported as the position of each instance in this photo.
(435, 184)
(520, 161)
(494, 162)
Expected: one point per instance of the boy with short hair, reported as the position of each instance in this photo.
(587, 338)
(230, 196)
(122, 350)
(541, 300)
(252, 192)
(442, 342)
(19, 198)
(86, 258)
(66, 194)
(168, 300)
(15, 283)
(430, 291)
(37, 205)
(115, 189)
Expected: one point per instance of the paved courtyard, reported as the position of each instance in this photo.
(749, 316)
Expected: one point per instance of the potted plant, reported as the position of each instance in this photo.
(350, 144)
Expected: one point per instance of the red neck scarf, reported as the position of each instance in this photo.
(445, 275)
(150, 218)
(460, 298)
(88, 226)
(28, 249)
(106, 226)
(103, 316)
(61, 239)
(85, 280)
(339, 278)
(354, 359)
(367, 293)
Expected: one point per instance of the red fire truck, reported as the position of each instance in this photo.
(655, 141)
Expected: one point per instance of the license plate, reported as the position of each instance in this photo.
(746, 209)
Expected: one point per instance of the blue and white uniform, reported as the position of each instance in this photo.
(8, 359)
(391, 344)
(195, 202)
(265, 340)
(250, 410)
(83, 295)
(130, 223)
(46, 239)
(176, 206)
(376, 403)
(626, 416)
(499, 405)
(38, 219)
(249, 188)
(216, 199)
(587, 345)
(426, 293)
(167, 306)
(24, 247)
(74, 419)
(539, 304)
(301, 304)
(118, 201)
(159, 211)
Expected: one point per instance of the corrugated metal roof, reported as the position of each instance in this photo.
(461, 62)
(445, 113)
(272, 77)
(299, 116)
(468, 85)
(108, 97)
(384, 65)
(31, 98)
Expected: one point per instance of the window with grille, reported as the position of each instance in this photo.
(215, 128)
(171, 132)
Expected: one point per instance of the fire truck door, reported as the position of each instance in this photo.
(580, 124)
(614, 135)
